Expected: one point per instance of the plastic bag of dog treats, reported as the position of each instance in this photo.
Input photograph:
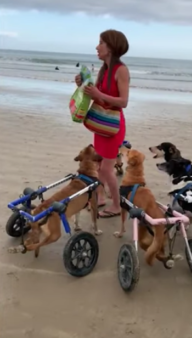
(80, 102)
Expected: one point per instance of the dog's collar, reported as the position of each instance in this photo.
(188, 168)
(88, 179)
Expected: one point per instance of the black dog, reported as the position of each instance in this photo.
(180, 172)
(167, 150)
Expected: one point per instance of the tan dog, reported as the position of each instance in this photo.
(119, 165)
(154, 246)
(88, 166)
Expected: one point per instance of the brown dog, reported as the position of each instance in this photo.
(88, 166)
(153, 245)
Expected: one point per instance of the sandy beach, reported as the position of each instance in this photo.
(37, 296)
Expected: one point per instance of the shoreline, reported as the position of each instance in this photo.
(69, 81)
(55, 108)
(53, 96)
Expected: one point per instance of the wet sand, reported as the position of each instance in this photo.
(37, 296)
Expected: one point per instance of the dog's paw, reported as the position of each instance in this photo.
(187, 227)
(36, 253)
(178, 257)
(118, 234)
(119, 172)
(98, 232)
(16, 249)
(88, 207)
(77, 228)
(170, 263)
(12, 250)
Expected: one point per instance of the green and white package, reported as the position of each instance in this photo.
(80, 102)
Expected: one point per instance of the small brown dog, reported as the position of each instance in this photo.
(153, 245)
(119, 162)
(88, 166)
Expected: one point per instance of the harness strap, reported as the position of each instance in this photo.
(126, 190)
(87, 179)
(181, 191)
(133, 192)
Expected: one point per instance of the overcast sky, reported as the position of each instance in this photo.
(154, 28)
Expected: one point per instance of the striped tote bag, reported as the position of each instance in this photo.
(102, 121)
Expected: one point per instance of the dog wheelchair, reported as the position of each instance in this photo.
(81, 252)
(128, 262)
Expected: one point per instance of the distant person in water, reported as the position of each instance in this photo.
(77, 65)
(56, 68)
(92, 67)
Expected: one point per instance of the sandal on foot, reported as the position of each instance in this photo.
(99, 206)
(108, 214)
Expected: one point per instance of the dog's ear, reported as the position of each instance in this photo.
(135, 157)
(142, 158)
(78, 158)
(97, 158)
(132, 160)
(172, 149)
(176, 154)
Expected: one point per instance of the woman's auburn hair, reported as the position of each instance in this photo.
(119, 46)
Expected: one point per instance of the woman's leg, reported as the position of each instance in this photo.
(101, 190)
(107, 174)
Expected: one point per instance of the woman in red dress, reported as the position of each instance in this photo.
(111, 88)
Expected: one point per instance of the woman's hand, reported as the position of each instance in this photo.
(93, 92)
(78, 80)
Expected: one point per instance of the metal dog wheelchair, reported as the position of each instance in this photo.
(81, 252)
(128, 261)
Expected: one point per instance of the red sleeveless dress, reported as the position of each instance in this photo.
(108, 147)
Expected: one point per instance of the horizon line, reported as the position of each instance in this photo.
(76, 53)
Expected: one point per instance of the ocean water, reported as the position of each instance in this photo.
(52, 97)
(146, 73)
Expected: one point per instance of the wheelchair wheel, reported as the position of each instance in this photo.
(187, 254)
(80, 254)
(14, 224)
(128, 267)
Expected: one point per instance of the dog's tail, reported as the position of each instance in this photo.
(156, 245)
